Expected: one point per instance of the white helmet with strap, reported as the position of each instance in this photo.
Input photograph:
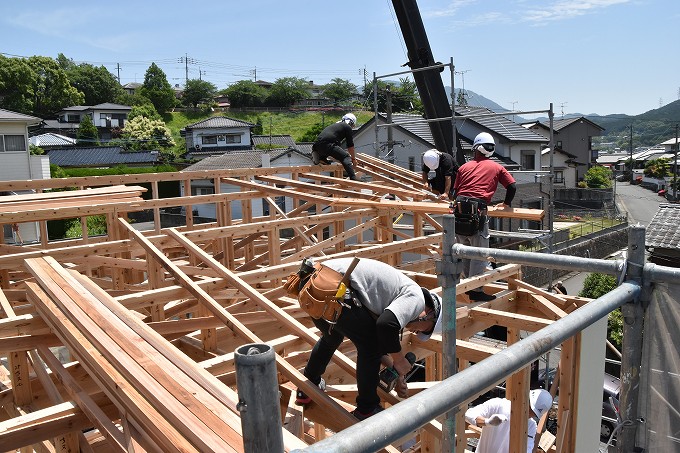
(350, 119)
(484, 144)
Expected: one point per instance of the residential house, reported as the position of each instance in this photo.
(411, 137)
(216, 135)
(252, 158)
(131, 88)
(106, 117)
(102, 157)
(563, 166)
(17, 163)
(575, 136)
(662, 238)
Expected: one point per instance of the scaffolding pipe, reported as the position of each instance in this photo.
(402, 419)
(631, 348)
(573, 263)
(258, 398)
(653, 273)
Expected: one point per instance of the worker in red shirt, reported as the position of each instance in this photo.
(475, 184)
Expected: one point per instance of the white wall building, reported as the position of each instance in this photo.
(17, 163)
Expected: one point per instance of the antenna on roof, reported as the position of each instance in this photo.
(562, 107)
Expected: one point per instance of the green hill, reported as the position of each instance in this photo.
(649, 128)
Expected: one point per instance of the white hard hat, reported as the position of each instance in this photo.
(437, 325)
(350, 119)
(484, 143)
(431, 159)
(540, 401)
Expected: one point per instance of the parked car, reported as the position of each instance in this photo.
(610, 405)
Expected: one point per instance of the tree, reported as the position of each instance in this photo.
(287, 91)
(339, 90)
(36, 86)
(144, 133)
(157, 88)
(312, 133)
(245, 93)
(198, 91)
(96, 83)
(461, 99)
(598, 177)
(88, 134)
(146, 110)
(597, 285)
(404, 96)
(657, 168)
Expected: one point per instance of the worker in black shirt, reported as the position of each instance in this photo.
(438, 173)
(328, 144)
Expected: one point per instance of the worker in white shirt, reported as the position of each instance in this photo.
(494, 418)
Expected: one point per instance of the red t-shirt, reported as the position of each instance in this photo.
(479, 178)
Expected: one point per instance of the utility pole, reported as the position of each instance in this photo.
(388, 112)
(186, 69)
(675, 166)
(118, 70)
(630, 147)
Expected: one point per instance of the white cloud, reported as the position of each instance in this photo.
(450, 10)
(567, 9)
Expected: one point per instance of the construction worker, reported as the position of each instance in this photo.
(383, 301)
(476, 182)
(438, 172)
(494, 418)
(328, 143)
(559, 288)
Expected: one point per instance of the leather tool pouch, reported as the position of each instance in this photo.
(317, 296)
(470, 214)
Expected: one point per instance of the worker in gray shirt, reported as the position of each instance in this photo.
(384, 301)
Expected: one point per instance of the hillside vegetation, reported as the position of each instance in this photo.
(296, 124)
(649, 128)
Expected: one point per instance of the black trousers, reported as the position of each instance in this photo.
(358, 325)
(338, 153)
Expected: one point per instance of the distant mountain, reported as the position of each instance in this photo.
(649, 128)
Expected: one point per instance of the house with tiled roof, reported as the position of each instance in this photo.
(662, 237)
(102, 157)
(573, 135)
(106, 117)
(411, 137)
(216, 135)
(273, 141)
(252, 158)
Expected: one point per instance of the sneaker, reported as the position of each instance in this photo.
(363, 416)
(301, 397)
(480, 296)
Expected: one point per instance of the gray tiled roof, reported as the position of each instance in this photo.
(279, 140)
(219, 121)
(240, 159)
(100, 156)
(500, 125)
(51, 139)
(8, 115)
(564, 122)
(663, 231)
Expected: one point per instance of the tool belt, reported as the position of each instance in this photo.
(470, 215)
(318, 295)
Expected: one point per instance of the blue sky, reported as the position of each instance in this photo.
(584, 56)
